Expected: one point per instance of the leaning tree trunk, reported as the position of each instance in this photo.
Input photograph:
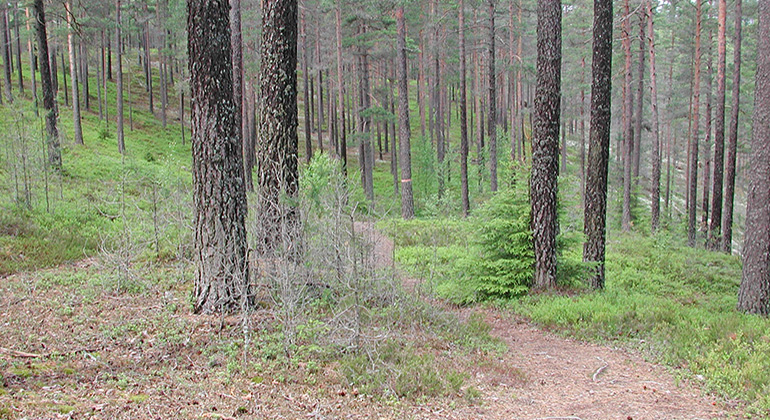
(404, 131)
(278, 142)
(545, 147)
(599, 142)
(222, 273)
(754, 293)
(715, 228)
(49, 103)
(732, 141)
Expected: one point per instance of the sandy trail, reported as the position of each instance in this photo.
(545, 376)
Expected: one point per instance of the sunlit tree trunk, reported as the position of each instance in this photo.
(404, 131)
(715, 228)
(73, 75)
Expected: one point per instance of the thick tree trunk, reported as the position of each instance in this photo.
(545, 147)
(73, 75)
(599, 142)
(693, 156)
(365, 121)
(119, 76)
(655, 179)
(493, 92)
(754, 294)
(277, 154)
(715, 228)
(463, 115)
(222, 274)
(404, 130)
(732, 141)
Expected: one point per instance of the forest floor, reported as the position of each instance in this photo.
(71, 347)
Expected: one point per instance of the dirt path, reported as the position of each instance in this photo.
(544, 376)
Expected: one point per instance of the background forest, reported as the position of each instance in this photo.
(97, 229)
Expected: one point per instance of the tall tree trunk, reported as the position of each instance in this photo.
(595, 226)
(73, 75)
(463, 114)
(32, 63)
(545, 146)
(519, 46)
(17, 37)
(365, 121)
(628, 134)
(638, 117)
(754, 293)
(49, 102)
(732, 141)
(278, 143)
(84, 75)
(707, 137)
(341, 94)
(320, 85)
(493, 91)
(693, 170)
(582, 130)
(306, 90)
(438, 115)
(655, 181)
(6, 51)
(148, 64)
(119, 76)
(236, 43)
(715, 229)
(404, 130)
(222, 274)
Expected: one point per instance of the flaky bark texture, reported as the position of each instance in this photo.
(404, 131)
(599, 142)
(545, 147)
(49, 103)
(219, 195)
(754, 294)
(277, 148)
(732, 140)
(715, 229)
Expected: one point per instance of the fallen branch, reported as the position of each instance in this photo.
(600, 370)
